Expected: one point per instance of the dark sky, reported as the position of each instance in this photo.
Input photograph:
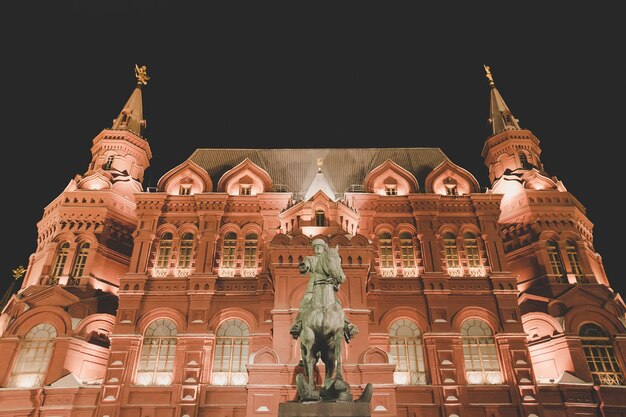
(319, 75)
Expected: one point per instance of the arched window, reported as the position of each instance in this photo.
(405, 343)
(471, 250)
(524, 160)
(452, 253)
(386, 250)
(228, 252)
(407, 250)
(34, 357)
(81, 260)
(320, 218)
(600, 355)
(451, 186)
(156, 363)
(249, 255)
(232, 347)
(60, 259)
(109, 163)
(186, 248)
(574, 261)
(165, 250)
(555, 261)
(480, 354)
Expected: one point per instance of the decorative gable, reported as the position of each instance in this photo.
(186, 179)
(247, 178)
(390, 178)
(450, 179)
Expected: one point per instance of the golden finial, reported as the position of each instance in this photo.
(18, 272)
(320, 162)
(489, 76)
(140, 73)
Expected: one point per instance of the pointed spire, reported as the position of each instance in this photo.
(131, 116)
(319, 183)
(500, 116)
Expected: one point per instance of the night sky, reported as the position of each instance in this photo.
(321, 75)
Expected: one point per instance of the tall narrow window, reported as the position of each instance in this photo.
(480, 353)
(186, 248)
(574, 261)
(600, 355)
(524, 160)
(320, 218)
(405, 342)
(386, 250)
(451, 250)
(555, 261)
(165, 250)
(228, 253)
(81, 260)
(34, 357)
(60, 259)
(249, 256)
(232, 347)
(156, 363)
(185, 189)
(471, 250)
(109, 163)
(408, 252)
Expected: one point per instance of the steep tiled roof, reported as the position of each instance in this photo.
(342, 167)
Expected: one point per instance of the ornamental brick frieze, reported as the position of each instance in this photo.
(236, 285)
(424, 205)
(167, 285)
(179, 222)
(215, 206)
(240, 207)
(400, 207)
(170, 206)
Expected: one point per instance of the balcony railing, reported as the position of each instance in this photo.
(477, 271)
(175, 272)
(410, 272)
(455, 272)
(388, 272)
(243, 272)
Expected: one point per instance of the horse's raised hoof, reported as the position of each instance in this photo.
(305, 392)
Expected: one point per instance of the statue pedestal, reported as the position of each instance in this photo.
(326, 409)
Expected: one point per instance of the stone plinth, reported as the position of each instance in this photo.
(326, 409)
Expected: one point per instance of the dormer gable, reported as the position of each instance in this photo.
(186, 179)
(247, 178)
(450, 179)
(390, 178)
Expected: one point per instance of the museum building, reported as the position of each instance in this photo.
(178, 300)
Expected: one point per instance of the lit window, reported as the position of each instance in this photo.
(34, 357)
(320, 218)
(451, 250)
(156, 363)
(451, 186)
(81, 260)
(600, 355)
(480, 353)
(165, 250)
(555, 261)
(391, 189)
(249, 256)
(408, 253)
(471, 250)
(245, 189)
(228, 253)
(405, 343)
(572, 257)
(60, 260)
(232, 347)
(385, 250)
(524, 160)
(186, 248)
(185, 189)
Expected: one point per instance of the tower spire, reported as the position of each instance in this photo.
(131, 116)
(500, 116)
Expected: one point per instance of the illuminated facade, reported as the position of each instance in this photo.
(178, 302)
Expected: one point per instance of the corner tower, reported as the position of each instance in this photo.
(85, 234)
